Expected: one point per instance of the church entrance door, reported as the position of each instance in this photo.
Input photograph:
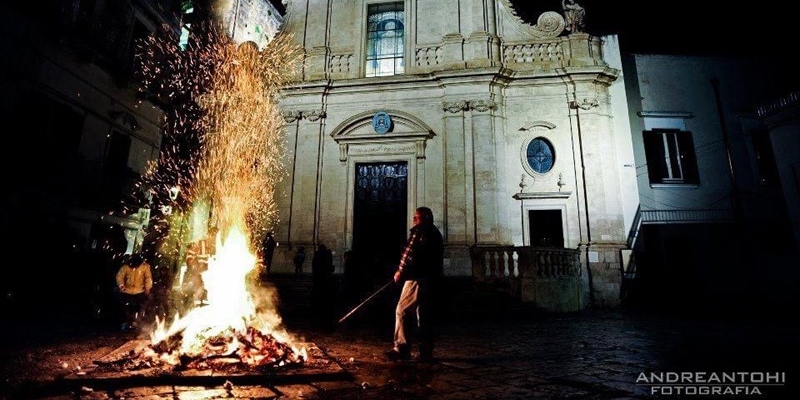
(380, 214)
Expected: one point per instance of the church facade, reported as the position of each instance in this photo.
(506, 130)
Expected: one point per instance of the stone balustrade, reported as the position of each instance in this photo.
(548, 277)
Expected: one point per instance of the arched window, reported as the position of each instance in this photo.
(385, 39)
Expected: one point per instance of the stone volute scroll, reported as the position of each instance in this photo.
(549, 25)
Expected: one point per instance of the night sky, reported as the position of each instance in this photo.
(678, 26)
(682, 26)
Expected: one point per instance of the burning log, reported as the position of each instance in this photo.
(249, 351)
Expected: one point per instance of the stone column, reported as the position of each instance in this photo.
(455, 201)
(484, 159)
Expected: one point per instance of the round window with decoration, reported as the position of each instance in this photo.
(538, 156)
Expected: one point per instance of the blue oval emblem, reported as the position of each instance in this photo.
(382, 122)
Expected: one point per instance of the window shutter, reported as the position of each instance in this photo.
(688, 158)
(654, 152)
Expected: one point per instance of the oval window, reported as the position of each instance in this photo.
(540, 155)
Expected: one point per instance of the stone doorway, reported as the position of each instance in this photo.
(380, 214)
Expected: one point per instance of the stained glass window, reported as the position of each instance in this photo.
(540, 155)
(385, 39)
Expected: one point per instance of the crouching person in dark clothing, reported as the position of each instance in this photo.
(419, 270)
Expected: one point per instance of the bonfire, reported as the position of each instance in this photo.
(229, 332)
(223, 147)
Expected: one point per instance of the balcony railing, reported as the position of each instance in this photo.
(548, 277)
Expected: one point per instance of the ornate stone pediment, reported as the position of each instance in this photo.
(356, 135)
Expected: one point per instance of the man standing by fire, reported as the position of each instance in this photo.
(420, 269)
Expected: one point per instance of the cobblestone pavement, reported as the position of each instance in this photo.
(508, 353)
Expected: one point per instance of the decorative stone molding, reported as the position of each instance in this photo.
(541, 195)
(454, 106)
(482, 105)
(291, 116)
(420, 147)
(549, 25)
(383, 148)
(355, 136)
(536, 124)
(313, 115)
(416, 147)
(585, 104)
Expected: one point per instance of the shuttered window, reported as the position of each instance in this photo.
(670, 157)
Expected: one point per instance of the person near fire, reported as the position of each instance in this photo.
(269, 250)
(323, 290)
(419, 270)
(135, 281)
(298, 260)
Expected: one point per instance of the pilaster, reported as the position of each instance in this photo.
(485, 162)
(305, 193)
(455, 173)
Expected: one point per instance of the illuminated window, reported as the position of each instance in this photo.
(385, 39)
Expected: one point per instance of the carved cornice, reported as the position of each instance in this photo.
(454, 106)
(541, 195)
